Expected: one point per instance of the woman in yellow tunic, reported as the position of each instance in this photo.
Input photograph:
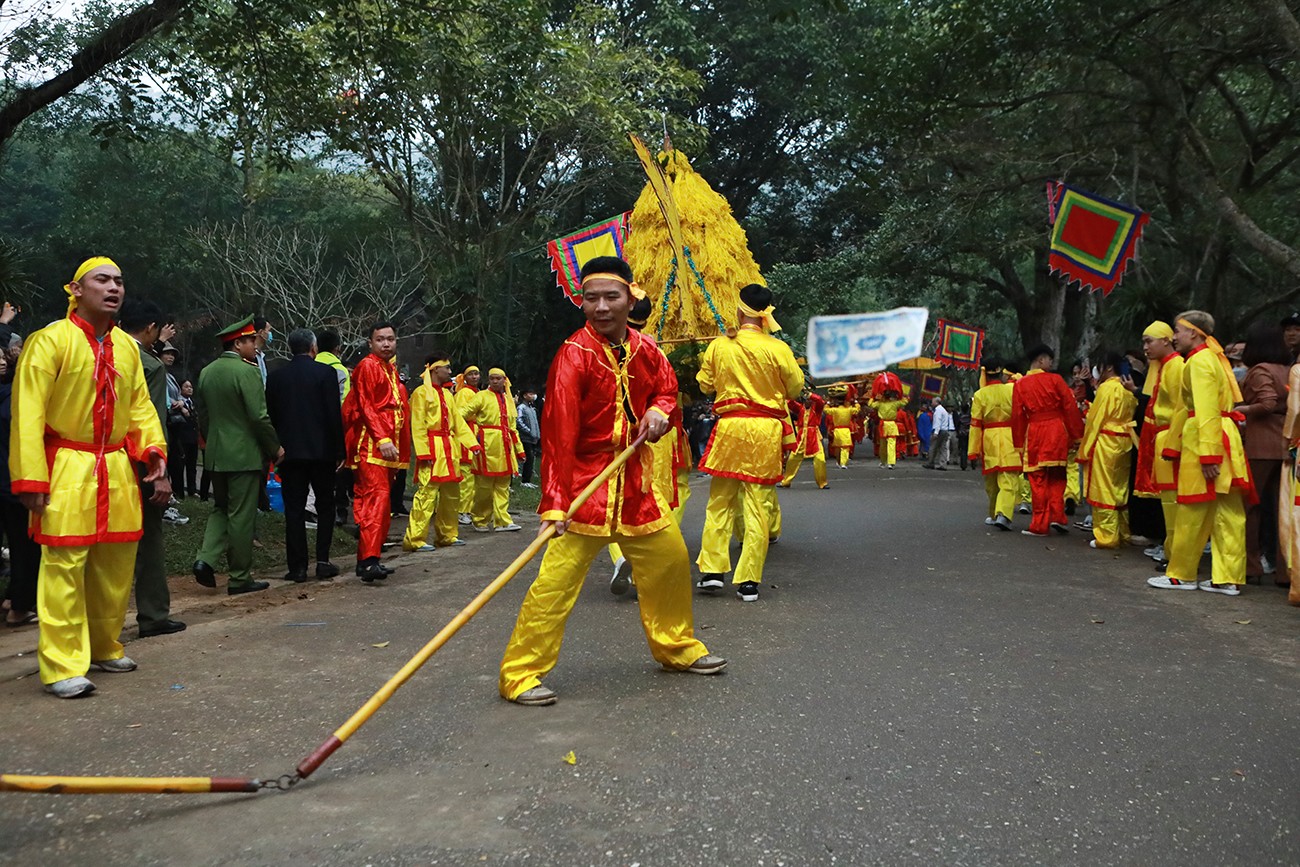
(1106, 453)
(82, 416)
(887, 407)
(1213, 474)
(438, 435)
(991, 444)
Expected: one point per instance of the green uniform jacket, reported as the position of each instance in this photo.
(155, 376)
(231, 404)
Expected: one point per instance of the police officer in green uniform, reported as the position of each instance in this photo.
(231, 404)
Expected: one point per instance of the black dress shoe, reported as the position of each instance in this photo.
(250, 587)
(372, 573)
(204, 574)
(296, 577)
(326, 570)
(167, 627)
(388, 570)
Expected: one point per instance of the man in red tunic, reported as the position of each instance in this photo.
(1045, 422)
(607, 384)
(375, 419)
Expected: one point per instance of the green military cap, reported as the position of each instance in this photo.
(242, 328)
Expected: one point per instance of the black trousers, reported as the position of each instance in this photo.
(24, 556)
(530, 457)
(397, 494)
(295, 478)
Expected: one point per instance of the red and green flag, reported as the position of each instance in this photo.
(933, 385)
(1093, 239)
(959, 345)
(570, 253)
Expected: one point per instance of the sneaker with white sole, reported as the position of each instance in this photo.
(464, 518)
(990, 521)
(1002, 522)
(1164, 582)
(747, 591)
(1155, 552)
(1023, 509)
(478, 529)
(710, 581)
(708, 664)
(538, 696)
(172, 515)
(426, 548)
(120, 665)
(1225, 589)
(72, 687)
(508, 528)
(1032, 533)
(621, 582)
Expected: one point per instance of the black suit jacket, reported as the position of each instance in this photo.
(302, 398)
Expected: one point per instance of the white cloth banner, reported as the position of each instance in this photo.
(859, 343)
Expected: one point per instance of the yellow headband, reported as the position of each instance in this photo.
(769, 321)
(471, 369)
(496, 371)
(1217, 349)
(633, 287)
(1159, 331)
(82, 270)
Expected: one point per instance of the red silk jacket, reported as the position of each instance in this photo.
(376, 411)
(586, 418)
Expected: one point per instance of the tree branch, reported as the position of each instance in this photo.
(115, 42)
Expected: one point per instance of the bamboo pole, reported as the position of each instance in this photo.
(61, 785)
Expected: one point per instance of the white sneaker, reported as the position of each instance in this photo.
(120, 665)
(1225, 589)
(478, 529)
(72, 687)
(465, 518)
(508, 528)
(1269, 568)
(528, 485)
(1092, 543)
(1139, 541)
(538, 696)
(1155, 552)
(424, 549)
(172, 515)
(622, 580)
(1032, 533)
(990, 521)
(1164, 582)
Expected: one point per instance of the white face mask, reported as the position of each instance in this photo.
(1096, 374)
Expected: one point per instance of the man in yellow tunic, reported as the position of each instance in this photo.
(753, 375)
(494, 415)
(840, 420)
(438, 434)
(466, 388)
(807, 417)
(608, 385)
(1213, 474)
(82, 414)
(1106, 454)
(991, 444)
(1163, 387)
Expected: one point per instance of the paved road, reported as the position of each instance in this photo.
(911, 689)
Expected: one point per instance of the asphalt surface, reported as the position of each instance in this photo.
(913, 688)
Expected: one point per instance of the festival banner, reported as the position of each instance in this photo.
(933, 385)
(1093, 239)
(570, 253)
(959, 345)
(858, 343)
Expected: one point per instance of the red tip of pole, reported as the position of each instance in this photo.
(309, 765)
(234, 784)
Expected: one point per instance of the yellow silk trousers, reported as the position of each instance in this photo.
(683, 494)
(796, 460)
(1169, 507)
(891, 450)
(1002, 489)
(81, 595)
(1109, 527)
(491, 501)
(1221, 522)
(466, 487)
(844, 456)
(1024, 494)
(436, 502)
(1073, 482)
(757, 505)
(663, 582)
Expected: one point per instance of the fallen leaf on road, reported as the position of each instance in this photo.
(1099, 621)
(1242, 622)
(1240, 773)
(135, 725)
(381, 644)
(706, 625)
(571, 758)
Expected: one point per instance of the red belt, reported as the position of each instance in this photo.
(1235, 416)
(750, 409)
(96, 448)
(1114, 433)
(989, 425)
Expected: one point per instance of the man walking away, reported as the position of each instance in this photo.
(530, 435)
(941, 442)
(302, 400)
